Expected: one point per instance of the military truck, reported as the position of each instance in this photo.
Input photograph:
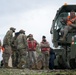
(65, 51)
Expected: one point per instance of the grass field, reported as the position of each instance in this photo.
(36, 72)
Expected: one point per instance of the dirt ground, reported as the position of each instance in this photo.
(36, 72)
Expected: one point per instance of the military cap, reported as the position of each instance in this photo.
(12, 28)
(22, 31)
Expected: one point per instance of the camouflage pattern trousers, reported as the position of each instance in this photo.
(14, 57)
(32, 58)
(6, 54)
(21, 57)
(45, 58)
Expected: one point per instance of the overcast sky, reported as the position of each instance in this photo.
(34, 16)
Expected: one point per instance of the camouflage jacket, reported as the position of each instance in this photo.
(21, 41)
(8, 38)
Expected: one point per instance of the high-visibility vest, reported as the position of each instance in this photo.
(69, 20)
(3, 49)
(32, 45)
(45, 48)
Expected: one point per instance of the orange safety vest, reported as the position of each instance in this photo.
(69, 20)
(32, 45)
(45, 48)
(3, 49)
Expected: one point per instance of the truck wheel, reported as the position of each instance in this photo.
(72, 63)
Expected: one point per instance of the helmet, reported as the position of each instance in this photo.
(12, 28)
(22, 31)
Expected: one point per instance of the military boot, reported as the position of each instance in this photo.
(30, 67)
(21, 65)
(44, 68)
(6, 65)
(47, 68)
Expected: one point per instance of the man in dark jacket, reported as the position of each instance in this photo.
(51, 59)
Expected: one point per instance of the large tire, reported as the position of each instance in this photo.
(72, 63)
(62, 64)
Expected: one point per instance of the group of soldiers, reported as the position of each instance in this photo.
(23, 50)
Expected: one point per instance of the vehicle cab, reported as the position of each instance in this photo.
(58, 25)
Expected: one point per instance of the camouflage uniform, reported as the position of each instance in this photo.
(14, 51)
(7, 45)
(45, 47)
(22, 49)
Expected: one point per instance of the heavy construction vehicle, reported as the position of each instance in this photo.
(67, 48)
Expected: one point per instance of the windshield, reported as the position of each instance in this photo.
(58, 23)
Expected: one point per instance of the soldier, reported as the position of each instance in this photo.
(7, 45)
(45, 48)
(14, 51)
(21, 42)
(32, 44)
